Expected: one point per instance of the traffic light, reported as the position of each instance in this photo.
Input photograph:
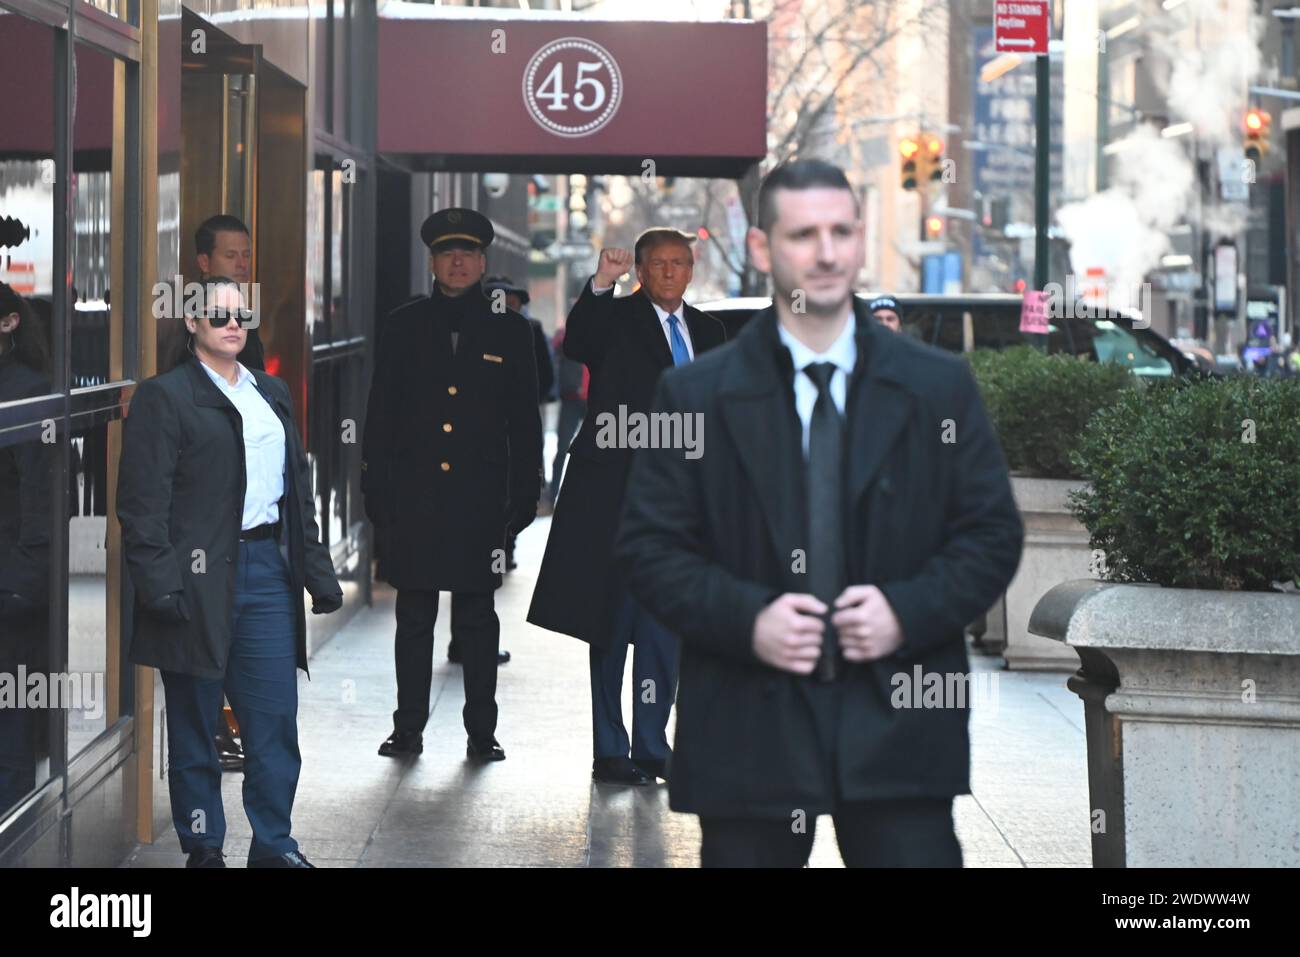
(1256, 123)
(931, 159)
(909, 148)
(934, 226)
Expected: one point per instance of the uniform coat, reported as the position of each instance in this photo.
(709, 543)
(449, 440)
(622, 343)
(180, 499)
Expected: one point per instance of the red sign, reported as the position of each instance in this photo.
(1021, 26)
(528, 92)
(1033, 312)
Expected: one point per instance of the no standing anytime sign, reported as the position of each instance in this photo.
(1021, 26)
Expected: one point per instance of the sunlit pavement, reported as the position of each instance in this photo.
(540, 808)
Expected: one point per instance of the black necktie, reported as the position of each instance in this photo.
(827, 565)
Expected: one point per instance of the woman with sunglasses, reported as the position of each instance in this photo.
(220, 537)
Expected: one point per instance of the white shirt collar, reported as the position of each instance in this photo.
(843, 352)
(242, 376)
(663, 314)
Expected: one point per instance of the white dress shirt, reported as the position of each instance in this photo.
(263, 447)
(843, 354)
(663, 321)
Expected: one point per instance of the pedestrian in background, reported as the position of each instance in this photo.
(885, 310)
(571, 382)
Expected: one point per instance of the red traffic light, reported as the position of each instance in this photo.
(1256, 123)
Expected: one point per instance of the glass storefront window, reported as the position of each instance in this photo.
(95, 336)
(28, 437)
(340, 236)
(114, 8)
(317, 318)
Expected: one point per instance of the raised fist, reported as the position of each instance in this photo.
(613, 263)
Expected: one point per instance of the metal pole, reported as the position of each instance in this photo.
(1042, 169)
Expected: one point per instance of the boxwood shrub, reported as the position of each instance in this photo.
(1195, 484)
(1039, 404)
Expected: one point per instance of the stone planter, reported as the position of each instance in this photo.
(1192, 708)
(1056, 550)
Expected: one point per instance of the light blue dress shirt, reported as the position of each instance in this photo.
(263, 447)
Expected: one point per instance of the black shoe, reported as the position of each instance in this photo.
(484, 750)
(653, 768)
(206, 857)
(229, 750)
(291, 859)
(618, 771)
(453, 655)
(402, 742)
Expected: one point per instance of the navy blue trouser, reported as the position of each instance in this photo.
(654, 674)
(261, 684)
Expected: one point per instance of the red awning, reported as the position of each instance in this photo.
(495, 90)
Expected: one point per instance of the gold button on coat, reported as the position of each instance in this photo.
(451, 390)
(446, 426)
(446, 466)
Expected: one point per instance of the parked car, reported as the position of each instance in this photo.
(964, 323)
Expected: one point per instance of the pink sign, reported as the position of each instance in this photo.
(1033, 312)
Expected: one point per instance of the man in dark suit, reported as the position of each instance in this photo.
(223, 249)
(626, 343)
(852, 512)
(451, 465)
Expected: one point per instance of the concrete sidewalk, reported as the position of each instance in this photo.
(539, 807)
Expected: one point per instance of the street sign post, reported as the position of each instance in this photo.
(1021, 26)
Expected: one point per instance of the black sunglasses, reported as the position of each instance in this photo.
(219, 316)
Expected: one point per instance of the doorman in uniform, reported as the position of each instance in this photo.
(451, 466)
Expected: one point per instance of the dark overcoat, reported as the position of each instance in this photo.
(709, 542)
(623, 345)
(180, 499)
(450, 439)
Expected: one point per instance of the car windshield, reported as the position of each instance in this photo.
(1111, 342)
